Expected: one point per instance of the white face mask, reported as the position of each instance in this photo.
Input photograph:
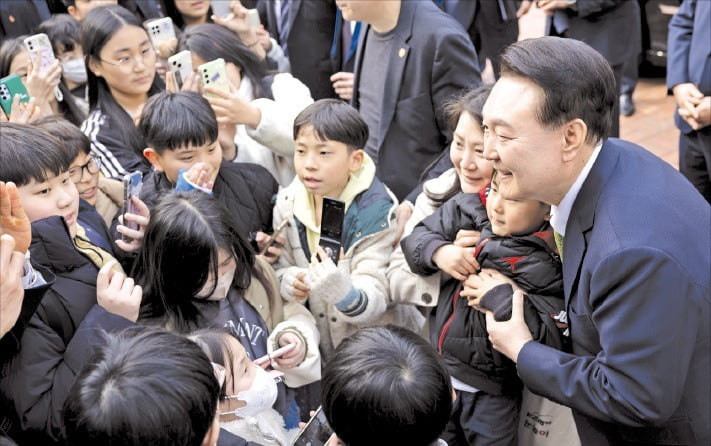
(259, 397)
(221, 289)
(74, 70)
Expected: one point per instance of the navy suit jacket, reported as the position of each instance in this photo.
(432, 60)
(689, 50)
(638, 294)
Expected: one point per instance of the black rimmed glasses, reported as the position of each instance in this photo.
(92, 166)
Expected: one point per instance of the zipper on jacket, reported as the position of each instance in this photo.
(445, 327)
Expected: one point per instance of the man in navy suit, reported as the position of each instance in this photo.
(635, 242)
(689, 77)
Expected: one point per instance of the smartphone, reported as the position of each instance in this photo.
(315, 433)
(274, 235)
(221, 8)
(9, 87)
(181, 65)
(213, 74)
(253, 18)
(332, 227)
(275, 354)
(40, 49)
(160, 31)
(132, 184)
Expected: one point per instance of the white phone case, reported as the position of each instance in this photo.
(160, 30)
(213, 74)
(253, 18)
(40, 49)
(181, 65)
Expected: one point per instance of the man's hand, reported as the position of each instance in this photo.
(456, 261)
(13, 220)
(117, 293)
(509, 337)
(343, 84)
(403, 212)
(294, 357)
(477, 285)
(703, 113)
(136, 235)
(11, 292)
(688, 97)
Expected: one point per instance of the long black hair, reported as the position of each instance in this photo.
(97, 29)
(180, 251)
(172, 11)
(209, 42)
(67, 107)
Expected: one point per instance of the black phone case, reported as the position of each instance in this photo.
(332, 227)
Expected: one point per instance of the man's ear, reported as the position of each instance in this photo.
(356, 160)
(154, 158)
(574, 134)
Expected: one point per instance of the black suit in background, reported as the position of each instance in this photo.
(612, 27)
(491, 24)
(311, 26)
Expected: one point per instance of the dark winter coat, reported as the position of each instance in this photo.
(59, 338)
(458, 331)
(246, 190)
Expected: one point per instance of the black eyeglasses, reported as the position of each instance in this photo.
(92, 166)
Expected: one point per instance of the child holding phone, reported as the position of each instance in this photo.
(330, 162)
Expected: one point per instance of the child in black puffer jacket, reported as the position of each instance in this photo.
(516, 241)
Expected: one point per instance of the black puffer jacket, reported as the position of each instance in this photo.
(59, 338)
(246, 190)
(457, 330)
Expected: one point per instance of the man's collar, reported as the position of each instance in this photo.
(560, 213)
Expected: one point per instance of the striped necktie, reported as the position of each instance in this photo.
(284, 25)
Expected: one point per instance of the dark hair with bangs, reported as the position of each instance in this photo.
(209, 42)
(63, 31)
(470, 102)
(386, 385)
(334, 120)
(143, 387)
(171, 121)
(97, 29)
(215, 343)
(180, 250)
(72, 140)
(29, 154)
(67, 107)
(576, 81)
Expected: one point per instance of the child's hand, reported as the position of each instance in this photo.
(117, 293)
(477, 285)
(136, 235)
(189, 84)
(13, 220)
(198, 176)
(293, 285)
(327, 281)
(231, 109)
(456, 261)
(296, 356)
(274, 251)
(467, 238)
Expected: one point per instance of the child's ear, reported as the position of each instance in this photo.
(154, 158)
(356, 160)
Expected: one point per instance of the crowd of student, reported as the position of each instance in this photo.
(167, 324)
